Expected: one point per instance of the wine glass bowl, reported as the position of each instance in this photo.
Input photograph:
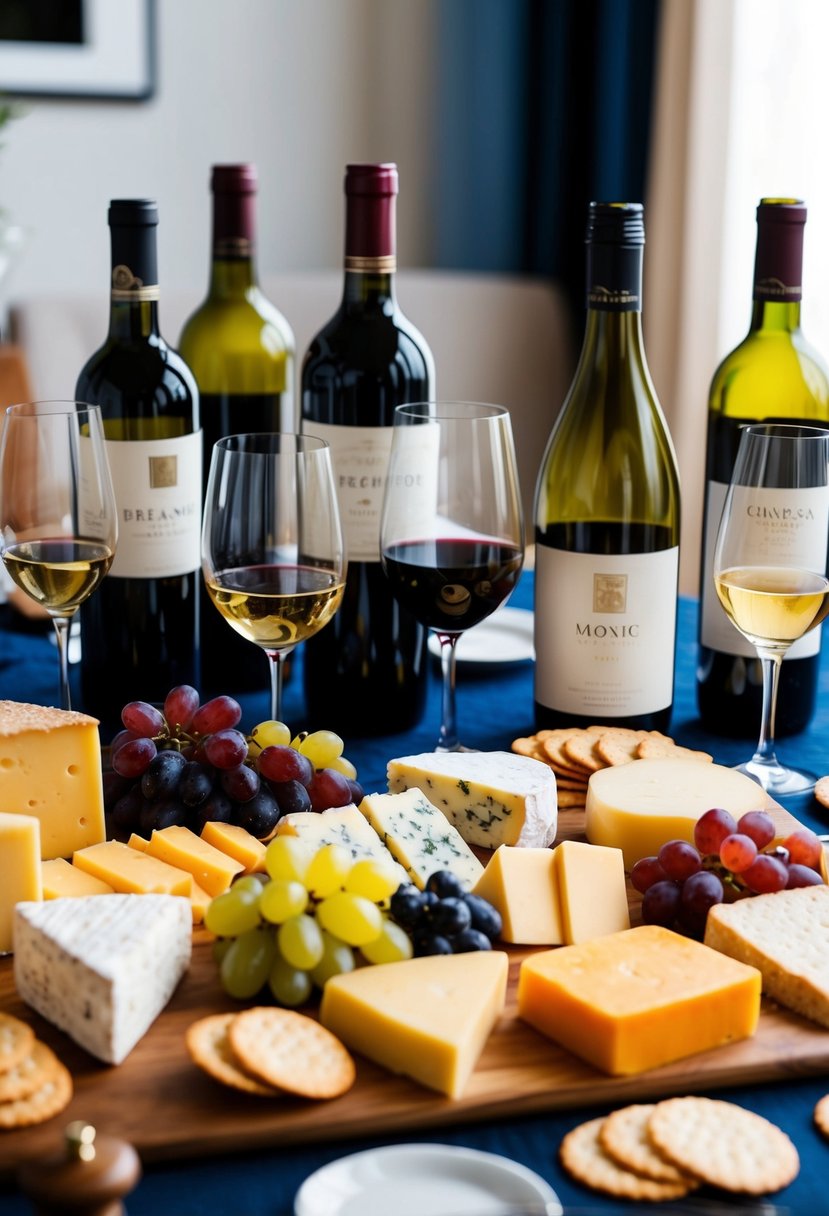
(57, 509)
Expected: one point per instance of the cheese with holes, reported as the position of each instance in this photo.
(50, 768)
(492, 798)
(237, 843)
(344, 826)
(62, 880)
(427, 1018)
(20, 876)
(636, 807)
(521, 884)
(103, 967)
(591, 889)
(638, 999)
(212, 869)
(420, 837)
(130, 871)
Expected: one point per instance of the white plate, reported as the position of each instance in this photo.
(424, 1180)
(504, 637)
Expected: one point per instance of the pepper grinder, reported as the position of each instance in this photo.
(89, 1176)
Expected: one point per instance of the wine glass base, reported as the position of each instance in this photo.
(776, 779)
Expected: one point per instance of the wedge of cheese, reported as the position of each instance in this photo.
(50, 768)
(492, 798)
(521, 884)
(420, 837)
(62, 880)
(427, 1018)
(20, 876)
(212, 869)
(102, 967)
(344, 826)
(591, 890)
(131, 871)
(236, 842)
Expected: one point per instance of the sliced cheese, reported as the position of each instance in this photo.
(132, 872)
(62, 881)
(212, 869)
(103, 967)
(138, 842)
(420, 837)
(636, 807)
(638, 999)
(427, 1018)
(237, 843)
(591, 890)
(492, 798)
(344, 826)
(20, 876)
(199, 902)
(50, 768)
(521, 884)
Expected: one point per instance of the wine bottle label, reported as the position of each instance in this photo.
(604, 632)
(158, 494)
(777, 524)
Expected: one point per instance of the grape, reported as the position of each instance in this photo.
(124, 815)
(220, 714)
(646, 872)
(327, 871)
(259, 815)
(115, 786)
(802, 876)
(269, 734)
(163, 813)
(679, 859)
(451, 916)
(765, 874)
(226, 748)
(660, 903)
(281, 899)
(195, 783)
(132, 758)
(341, 765)
(485, 917)
(321, 747)
(240, 783)
(220, 948)
(737, 852)
(407, 905)
(246, 965)
(328, 789)
(351, 917)
(251, 882)
(337, 959)
(217, 808)
(289, 985)
(120, 739)
(699, 893)
(300, 941)
(280, 764)
(443, 883)
(288, 857)
(292, 797)
(758, 825)
(233, 913)
(143, 718)
(468, 940)
(804, 848)
(393, 945)
(179, 706)
(355, 791)
(162, 775)
(374, 879)
(426, 942)
(711, 829)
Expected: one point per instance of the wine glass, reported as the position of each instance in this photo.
(272, 549)
(770, 564)
(452, 531)
(58, 517)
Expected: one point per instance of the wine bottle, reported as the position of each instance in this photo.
(366, 672)
(241, 350)
(773, 375)
(140, 631)
(607, 511)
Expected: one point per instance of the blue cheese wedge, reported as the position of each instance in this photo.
(344, 826)
(102, 967)
(492, 798)
(420, 837)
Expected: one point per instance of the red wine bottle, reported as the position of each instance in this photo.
(365, 673)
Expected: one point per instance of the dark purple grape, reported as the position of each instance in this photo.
(443, 883)
(469, 940)
(759, 826)
(712, 828)
(485, 917)
(355, 790)
(217, 808)
(241, 784)
(164, 813)
(115, 786)
(765, 875)
(328, 788)
(259, 815)
(645, 873)
(162, 775)
(195, 783)
(425, 941)
(124, 816)
(220, 714)
(679, 859)
(699, 893)
(451, 916)
(143, 718)
(802, 876)
(179, 706)
(406, 905)
(132, 758)
(430, 900)
(280, 764)
(660, 903)
(121, 738)
(226, 749)
(291, 796)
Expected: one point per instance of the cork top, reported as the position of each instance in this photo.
(18, 716)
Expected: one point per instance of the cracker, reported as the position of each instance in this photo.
(581, 750)
(618, 745)
(822, 791)
(33, 1071)
(584, 1158)
(210, 1049)
(822, 1115)
(724, 1145)
(557, 759)
(658, 746)
(53, 1096)
(570, 798)
(570, 783)
(292, 1052)
(528, 746)
(624, 1137)
(16, 1041)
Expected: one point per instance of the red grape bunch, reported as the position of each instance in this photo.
(728, 860)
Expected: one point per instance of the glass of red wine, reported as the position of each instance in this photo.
(452, 529)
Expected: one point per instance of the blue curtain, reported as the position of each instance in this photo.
(543, 106)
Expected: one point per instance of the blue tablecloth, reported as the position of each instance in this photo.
(494, 706)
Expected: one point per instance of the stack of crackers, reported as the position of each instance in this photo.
(574, 752)
(34, 1085)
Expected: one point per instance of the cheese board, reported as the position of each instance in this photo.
(168, 1109)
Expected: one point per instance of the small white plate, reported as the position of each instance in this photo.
(504, 637)
(425, 1180)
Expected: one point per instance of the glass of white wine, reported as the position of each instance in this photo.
(273, 556)
(58, 520)
(770, 565)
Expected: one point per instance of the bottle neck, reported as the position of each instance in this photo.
(615, 338)
(771, 316)
(370, 244)
(373, 290)
(134, 284)
(778, 272)
(133, 321)
(614, 302)
(232, 270)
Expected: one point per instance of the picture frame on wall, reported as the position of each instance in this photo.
(103, 49)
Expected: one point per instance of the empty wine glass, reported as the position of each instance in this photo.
(452, 530)
(57, 509)
(272, 549)
(770, 564)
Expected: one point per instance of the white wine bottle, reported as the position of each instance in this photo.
(607, 511)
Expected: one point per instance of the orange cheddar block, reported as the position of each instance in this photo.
(199, 902)
(19, 869)
(591, 890)
(131, 872)
(50, 768)
(138, 842)
(634, 1000)
(62, 880)
(237, 843)
(521, 884)
(213, 870)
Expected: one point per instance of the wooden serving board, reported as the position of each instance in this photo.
(168, 1108)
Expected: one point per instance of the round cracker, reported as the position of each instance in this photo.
(16, 1041)
(618, 745)
(210, 1048)
(624, 1137)
(584, 1158)
(724, 1144)
(580, 749)
(553, 750)
(822, 1115)
(48, 1100)
(659, 746)
(29, 1074)
(570, 799)
(822, 791)
(292, 1052)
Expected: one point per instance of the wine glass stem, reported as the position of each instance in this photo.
(275, 658)
(448, 738)
(770, 662)
(62, 624)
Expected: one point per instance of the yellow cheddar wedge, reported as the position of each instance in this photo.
(199, 902)
(50, 768)
(132, 872)
(237, 843)
(634, 1000)
(427, 1018)
(591, 890)
(19, 869)
(521, 884)
(211, 869)
(62, 880)
(138, 842)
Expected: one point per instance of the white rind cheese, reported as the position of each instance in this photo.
(102, 967)
(492, 798)
(420, 837)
